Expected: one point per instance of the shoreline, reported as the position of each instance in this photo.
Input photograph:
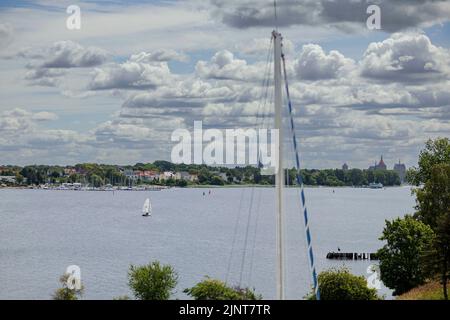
(160, 188)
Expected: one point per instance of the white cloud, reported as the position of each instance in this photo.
(136, 73)
(161, 55)
(342, 14)
(408, 57)
(20, 130)
(225, 66)
(314, 64)
(131, 106)
(15, 121)
(47, 65)
(65, 55)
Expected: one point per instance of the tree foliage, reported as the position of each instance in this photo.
(436, 152)
(153, 281)
(400, 258)
(433, 208)
(340, 284)
(212, 289)
(433, 199)
(101, 174)
(66, 293)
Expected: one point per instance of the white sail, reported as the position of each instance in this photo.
(147, 208)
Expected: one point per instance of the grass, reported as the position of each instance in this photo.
(428, 291)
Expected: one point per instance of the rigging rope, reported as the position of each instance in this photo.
(262, 105)
(252, 254)
(244, 253)
(260, 124)
(260, 114)
(302, 190)
(236, 225)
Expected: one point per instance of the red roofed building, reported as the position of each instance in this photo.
(380, 166)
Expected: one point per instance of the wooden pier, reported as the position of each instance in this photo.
(351, 256)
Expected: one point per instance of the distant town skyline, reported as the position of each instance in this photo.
(114, 91)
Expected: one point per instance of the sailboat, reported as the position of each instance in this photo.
(147, 208)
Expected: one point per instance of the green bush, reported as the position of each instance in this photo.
(212, 289)
(65, 293)
(340, 284)
(153, 281)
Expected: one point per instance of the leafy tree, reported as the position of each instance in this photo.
(433, 200)
(433, 205)
(212, 289)
(436, 152)
(74, 178)
(19, 178)
(400, 258)
(164, 165)
(66, 293)
(340, 284)
(153, 281)
(216, 181)
(96, 180)
(182, 183)
(436, 260)
(357, 177)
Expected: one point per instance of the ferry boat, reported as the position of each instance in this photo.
(374, 185)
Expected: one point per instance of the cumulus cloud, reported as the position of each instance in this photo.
(47, 65)
(183, 98)
(396, 15)
(405, 57)
(151, 134)
(20, 130)
(123, 131)
(315, 64)
(225, 66)
(343, 108)
(144, 70)
(353, 112)
(137, 73)
(162, 55)
(65, 55)
(45, 77)
(15, 121)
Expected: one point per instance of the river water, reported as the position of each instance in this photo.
(42, 232)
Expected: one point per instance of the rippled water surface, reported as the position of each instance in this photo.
(43, 232)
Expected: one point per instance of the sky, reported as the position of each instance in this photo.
(115, 90)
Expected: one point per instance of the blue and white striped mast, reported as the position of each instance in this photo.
(302, 190)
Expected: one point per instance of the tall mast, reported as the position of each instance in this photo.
(279, 175)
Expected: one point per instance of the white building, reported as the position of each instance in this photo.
(10, 179)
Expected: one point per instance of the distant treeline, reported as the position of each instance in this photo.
(101, 174)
